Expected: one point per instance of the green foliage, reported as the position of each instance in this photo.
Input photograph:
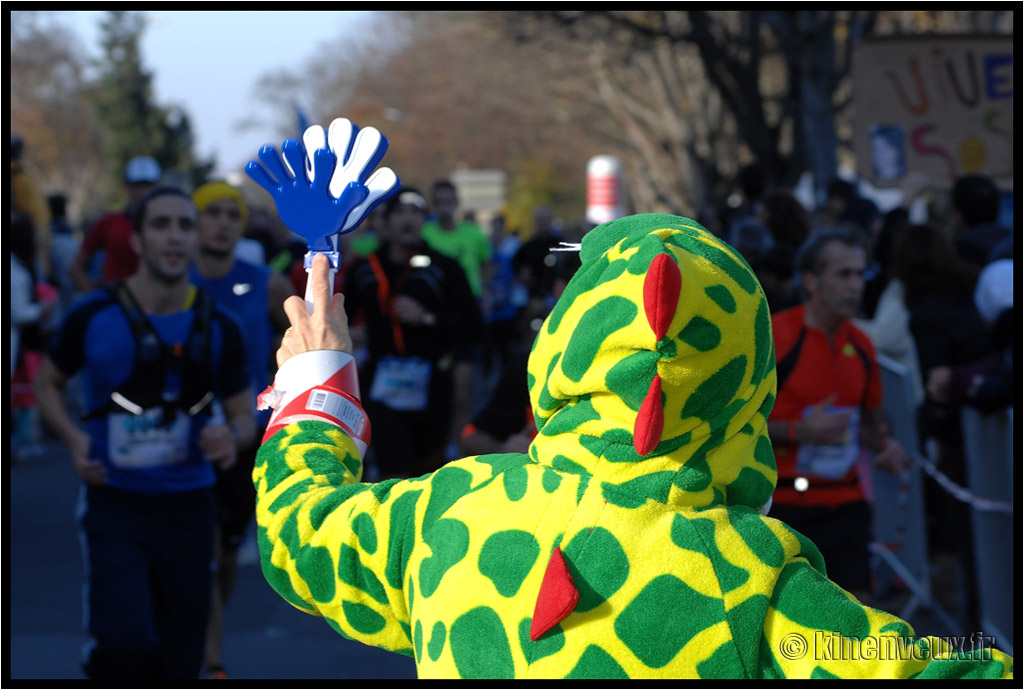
(132, 122)
(534, 181)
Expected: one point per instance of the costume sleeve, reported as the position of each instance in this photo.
(814, 629)
(332, 547)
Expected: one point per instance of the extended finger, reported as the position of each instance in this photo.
(322, 288)
(338, 307)
(369, 148)
(382, 184)
(261, 177)
(323, 165)
(351, 196)
(313, 138)
(271, 159)
(295, 310)
(293, 156)
(340, 135)
(340, 319)
(361, 156)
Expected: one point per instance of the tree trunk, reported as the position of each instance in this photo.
(817, 84)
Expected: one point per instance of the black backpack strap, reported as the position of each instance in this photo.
(147, 343)
(136, 320)
(191, 360)
(867, 371)
(199, 337)
(198, 353)
(787, 364)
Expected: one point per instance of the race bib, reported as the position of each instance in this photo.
(401, 383)
(141, 441)
(831, 462)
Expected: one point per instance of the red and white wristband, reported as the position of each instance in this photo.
(321, 385)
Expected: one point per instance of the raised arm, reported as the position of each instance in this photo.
(329, 545)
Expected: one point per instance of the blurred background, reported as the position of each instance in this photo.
(517, 100)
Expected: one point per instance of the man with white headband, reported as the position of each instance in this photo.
(420, 319)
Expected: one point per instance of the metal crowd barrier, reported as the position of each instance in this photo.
(988, 447)
(900, 543)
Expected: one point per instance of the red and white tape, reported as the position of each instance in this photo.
(322, 385)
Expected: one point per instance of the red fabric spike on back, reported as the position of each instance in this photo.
(661, 293)
(557, 598)
(650, 420)
(662, 286)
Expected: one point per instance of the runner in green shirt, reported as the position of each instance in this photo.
(461, 240)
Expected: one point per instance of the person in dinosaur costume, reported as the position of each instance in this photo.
(627, 542)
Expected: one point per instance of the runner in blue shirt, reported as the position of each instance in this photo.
(255, 295)
(167, 399)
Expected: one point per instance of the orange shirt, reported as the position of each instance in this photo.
(843, 366)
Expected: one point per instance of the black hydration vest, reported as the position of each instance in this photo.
(170, 377)
(787, 364)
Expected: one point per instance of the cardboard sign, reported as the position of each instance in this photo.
(941, 106)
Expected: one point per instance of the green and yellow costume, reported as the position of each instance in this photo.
(628, 541)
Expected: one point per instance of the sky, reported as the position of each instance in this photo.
(209, 63)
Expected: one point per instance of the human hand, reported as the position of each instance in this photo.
(408, 310)
(822, 427)
(326, 328)
(301, 198)
(358, 151)
(47, 296)
(92, 472)
(939, 383)
(891, 458)
(219, 445)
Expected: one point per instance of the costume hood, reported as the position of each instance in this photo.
(654, 374)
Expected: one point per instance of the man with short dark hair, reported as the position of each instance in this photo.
(112, 233)
(461, 240)
(167, 398)
(828, 408)
(421, 319)
(975, 200)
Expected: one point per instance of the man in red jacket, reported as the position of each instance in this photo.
(829, 410)
(112, 233)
